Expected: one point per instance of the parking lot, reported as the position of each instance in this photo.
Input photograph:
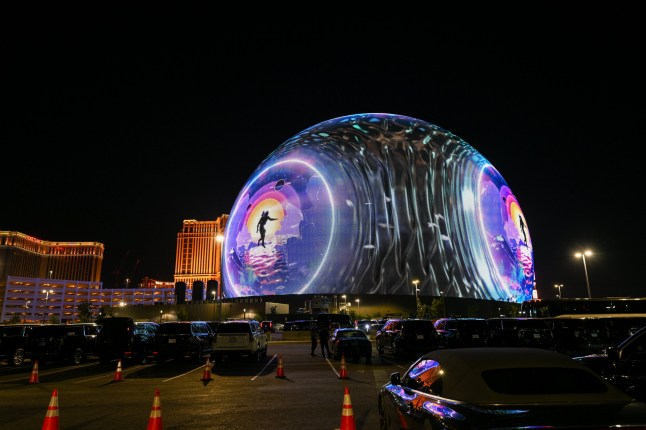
(238, 395)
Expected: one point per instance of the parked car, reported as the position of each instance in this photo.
(623, 364)
(184, 340)
(352, 343)
(406, 336)
(64, 342)
(267, 326)
(303, 325)
(462, 332)
(579, 336)
(364, 325)
(14, 342)
(505, 388)
(121, 338)
(240, 338)
(528, 332)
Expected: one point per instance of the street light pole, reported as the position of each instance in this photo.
(559, 286)
(585, 269)
(213, 294)
(46, 299)
(220, 240)
(358, 308)
(26, 310)
(443, 304)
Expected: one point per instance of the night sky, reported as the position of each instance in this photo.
(116, 134)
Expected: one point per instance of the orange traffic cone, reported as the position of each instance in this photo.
(347, 416)
(51, 418)
(33, 379)
(280, 373)
(117, 374)
(343, 373)
(155, 420)
(206, 376)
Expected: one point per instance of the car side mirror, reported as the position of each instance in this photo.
(395, 378)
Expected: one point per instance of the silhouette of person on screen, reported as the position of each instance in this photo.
(522, 227)
(260, 228)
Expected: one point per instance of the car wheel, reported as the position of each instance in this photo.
(78, 356)
(18, 357)
(380, 351)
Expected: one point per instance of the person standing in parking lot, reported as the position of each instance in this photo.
(324, 336)
(314, 334)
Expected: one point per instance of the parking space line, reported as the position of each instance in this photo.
(264, 367)
(332, 366)
(183, 374)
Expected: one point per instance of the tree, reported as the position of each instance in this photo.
(85, 314)
(182, 314)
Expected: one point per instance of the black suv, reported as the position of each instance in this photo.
(236, 338)
(15, 342)
(121, 338)
(524, 332)
(406, 336)
(184, 339)
(623, 364)
(462, 332)
(64, 342)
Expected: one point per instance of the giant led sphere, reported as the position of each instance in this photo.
(367, 203)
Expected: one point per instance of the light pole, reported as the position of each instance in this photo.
(559, 286)
(220, 240)
(358, 308)
(443, 304)
(50, 274)
(585, 268)
(416, 283)
(46, 299)
(345, 303)
(244, 314)
(26, 310)
(213, 294)
(161, 316)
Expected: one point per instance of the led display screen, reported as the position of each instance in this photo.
(364, 204)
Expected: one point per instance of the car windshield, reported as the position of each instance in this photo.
(115, 325)
(353, 333)
(233, 328)
(471, 324)
(174, 329)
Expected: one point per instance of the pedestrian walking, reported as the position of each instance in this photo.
(324, 336)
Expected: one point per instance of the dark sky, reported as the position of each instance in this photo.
(118, 133)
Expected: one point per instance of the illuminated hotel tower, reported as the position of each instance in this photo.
(198, 254)
(26, 256)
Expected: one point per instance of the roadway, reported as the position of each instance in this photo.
(240, 394)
